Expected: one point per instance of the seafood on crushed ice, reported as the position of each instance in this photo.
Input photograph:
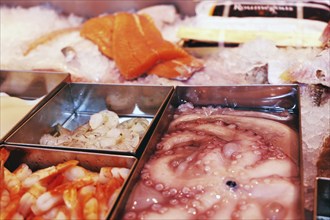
(102, 132)
(62, 191)
(62, 47)
(138, 47)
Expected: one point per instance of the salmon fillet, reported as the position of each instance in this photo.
(137, 47)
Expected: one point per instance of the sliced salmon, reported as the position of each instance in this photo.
(179, 69)
(165, 49)
(132, 55)
(137, 47)
(100, 31)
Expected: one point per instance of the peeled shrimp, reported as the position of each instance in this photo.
(103, 131)
(107, 118)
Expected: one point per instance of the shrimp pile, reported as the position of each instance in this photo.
(64, 191)
(102, 132)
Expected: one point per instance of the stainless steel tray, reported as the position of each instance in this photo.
(76, 102)
(322, 201)
(30, 85)
(277, 100)
(37, 158)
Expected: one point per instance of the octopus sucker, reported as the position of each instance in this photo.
(214, 166)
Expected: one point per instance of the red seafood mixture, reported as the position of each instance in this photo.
(64, 191)
(215, 165)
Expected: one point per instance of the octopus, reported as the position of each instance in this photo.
(216, 165)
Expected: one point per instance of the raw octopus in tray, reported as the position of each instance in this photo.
(215, 164)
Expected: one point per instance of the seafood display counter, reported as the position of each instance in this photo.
(212, 155)
(95, 117)
(44, 182)
(22, 93)
(202, 106)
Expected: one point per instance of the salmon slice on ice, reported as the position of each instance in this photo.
(137, 47)
(99, 30)
(132, 55)
(154, 39)
(180, 69)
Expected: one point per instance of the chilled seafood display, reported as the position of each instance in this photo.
(215, 165)
(161, 46)
(103, 131)
(62, 191)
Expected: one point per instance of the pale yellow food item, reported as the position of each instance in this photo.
(303, 39)
(12, 110)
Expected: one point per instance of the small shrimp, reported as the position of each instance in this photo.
(12, 183)
(120, 172)
(86, 193)
(63, 213)
(17, 216)
(105, 188)
(90, 209)
(51, 214)
(22, 172)
(45, 202)
(110, 138)
(29, 198)
(125, 140)
(65, 192)
(48, 172)
(10, 210)
(108, 118)
(70, 197)
(137, 125)
(77, 172)
(5, 198)
(58, 212)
